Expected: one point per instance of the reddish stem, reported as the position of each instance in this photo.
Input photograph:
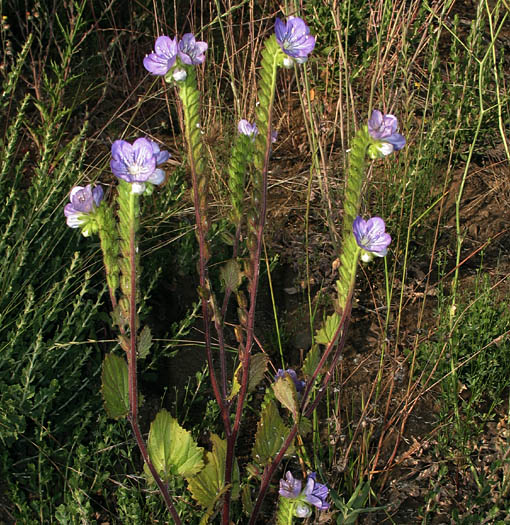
(133, 388)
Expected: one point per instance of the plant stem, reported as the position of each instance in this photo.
(132, 369)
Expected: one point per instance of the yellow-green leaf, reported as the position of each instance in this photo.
(208, 485)
(285, 391)
(258, 367)
(172, 449)
(327, 332)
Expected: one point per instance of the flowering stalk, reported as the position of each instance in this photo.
(350, 252)
(128, 212)
(285, 512)
(272, 57)
(189, 95)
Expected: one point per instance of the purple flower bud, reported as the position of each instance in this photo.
(300, 385)
(294, 38)
(290, 487)
(316, 493)
(137, 163)
(384, 129)
(84, 202)
(245, 128)
(163, 58)
(371, 236)
(190, 51)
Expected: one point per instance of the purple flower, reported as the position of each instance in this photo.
(300, 385)
(383, 128)
(84, 202)
(190, 51)
(294, 38)
(245, 128)
(137, 163)
(290, 487)
(163, 58)
(315, 492)
(371, 236)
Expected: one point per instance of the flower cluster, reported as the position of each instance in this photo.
(298, 383)
(294, 39)
(383, 129)
(371, 237)
(166, 52)
(137, 163)
(314, 493)
(80, 212)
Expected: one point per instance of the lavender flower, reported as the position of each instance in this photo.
(383, 129)
(245, 128)
(84, 202)
(190, 51)
(163, 58)
(137, 163)
(300, 385)
(290, 487)
(315, 492)
(371, 237)
(295, 40)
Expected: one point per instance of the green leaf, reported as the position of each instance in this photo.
(115, 386)
(311, 361)
(327, 332)
(208, 486)
(285, 391)
(231, 275)
(172, 449)
(271, 433)
(144, 342)
(258, 367)
(305, 426)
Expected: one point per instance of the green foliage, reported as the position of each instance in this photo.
(271, 433)
(115, 386)
(349, 512)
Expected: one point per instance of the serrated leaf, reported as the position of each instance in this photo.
(258, 367)
(115, 386)
(144, 342)
(328, 330)
(208, 486)
(285, 391)
(172, 449)
(311, 361)
(231, 274)
(271, 433)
